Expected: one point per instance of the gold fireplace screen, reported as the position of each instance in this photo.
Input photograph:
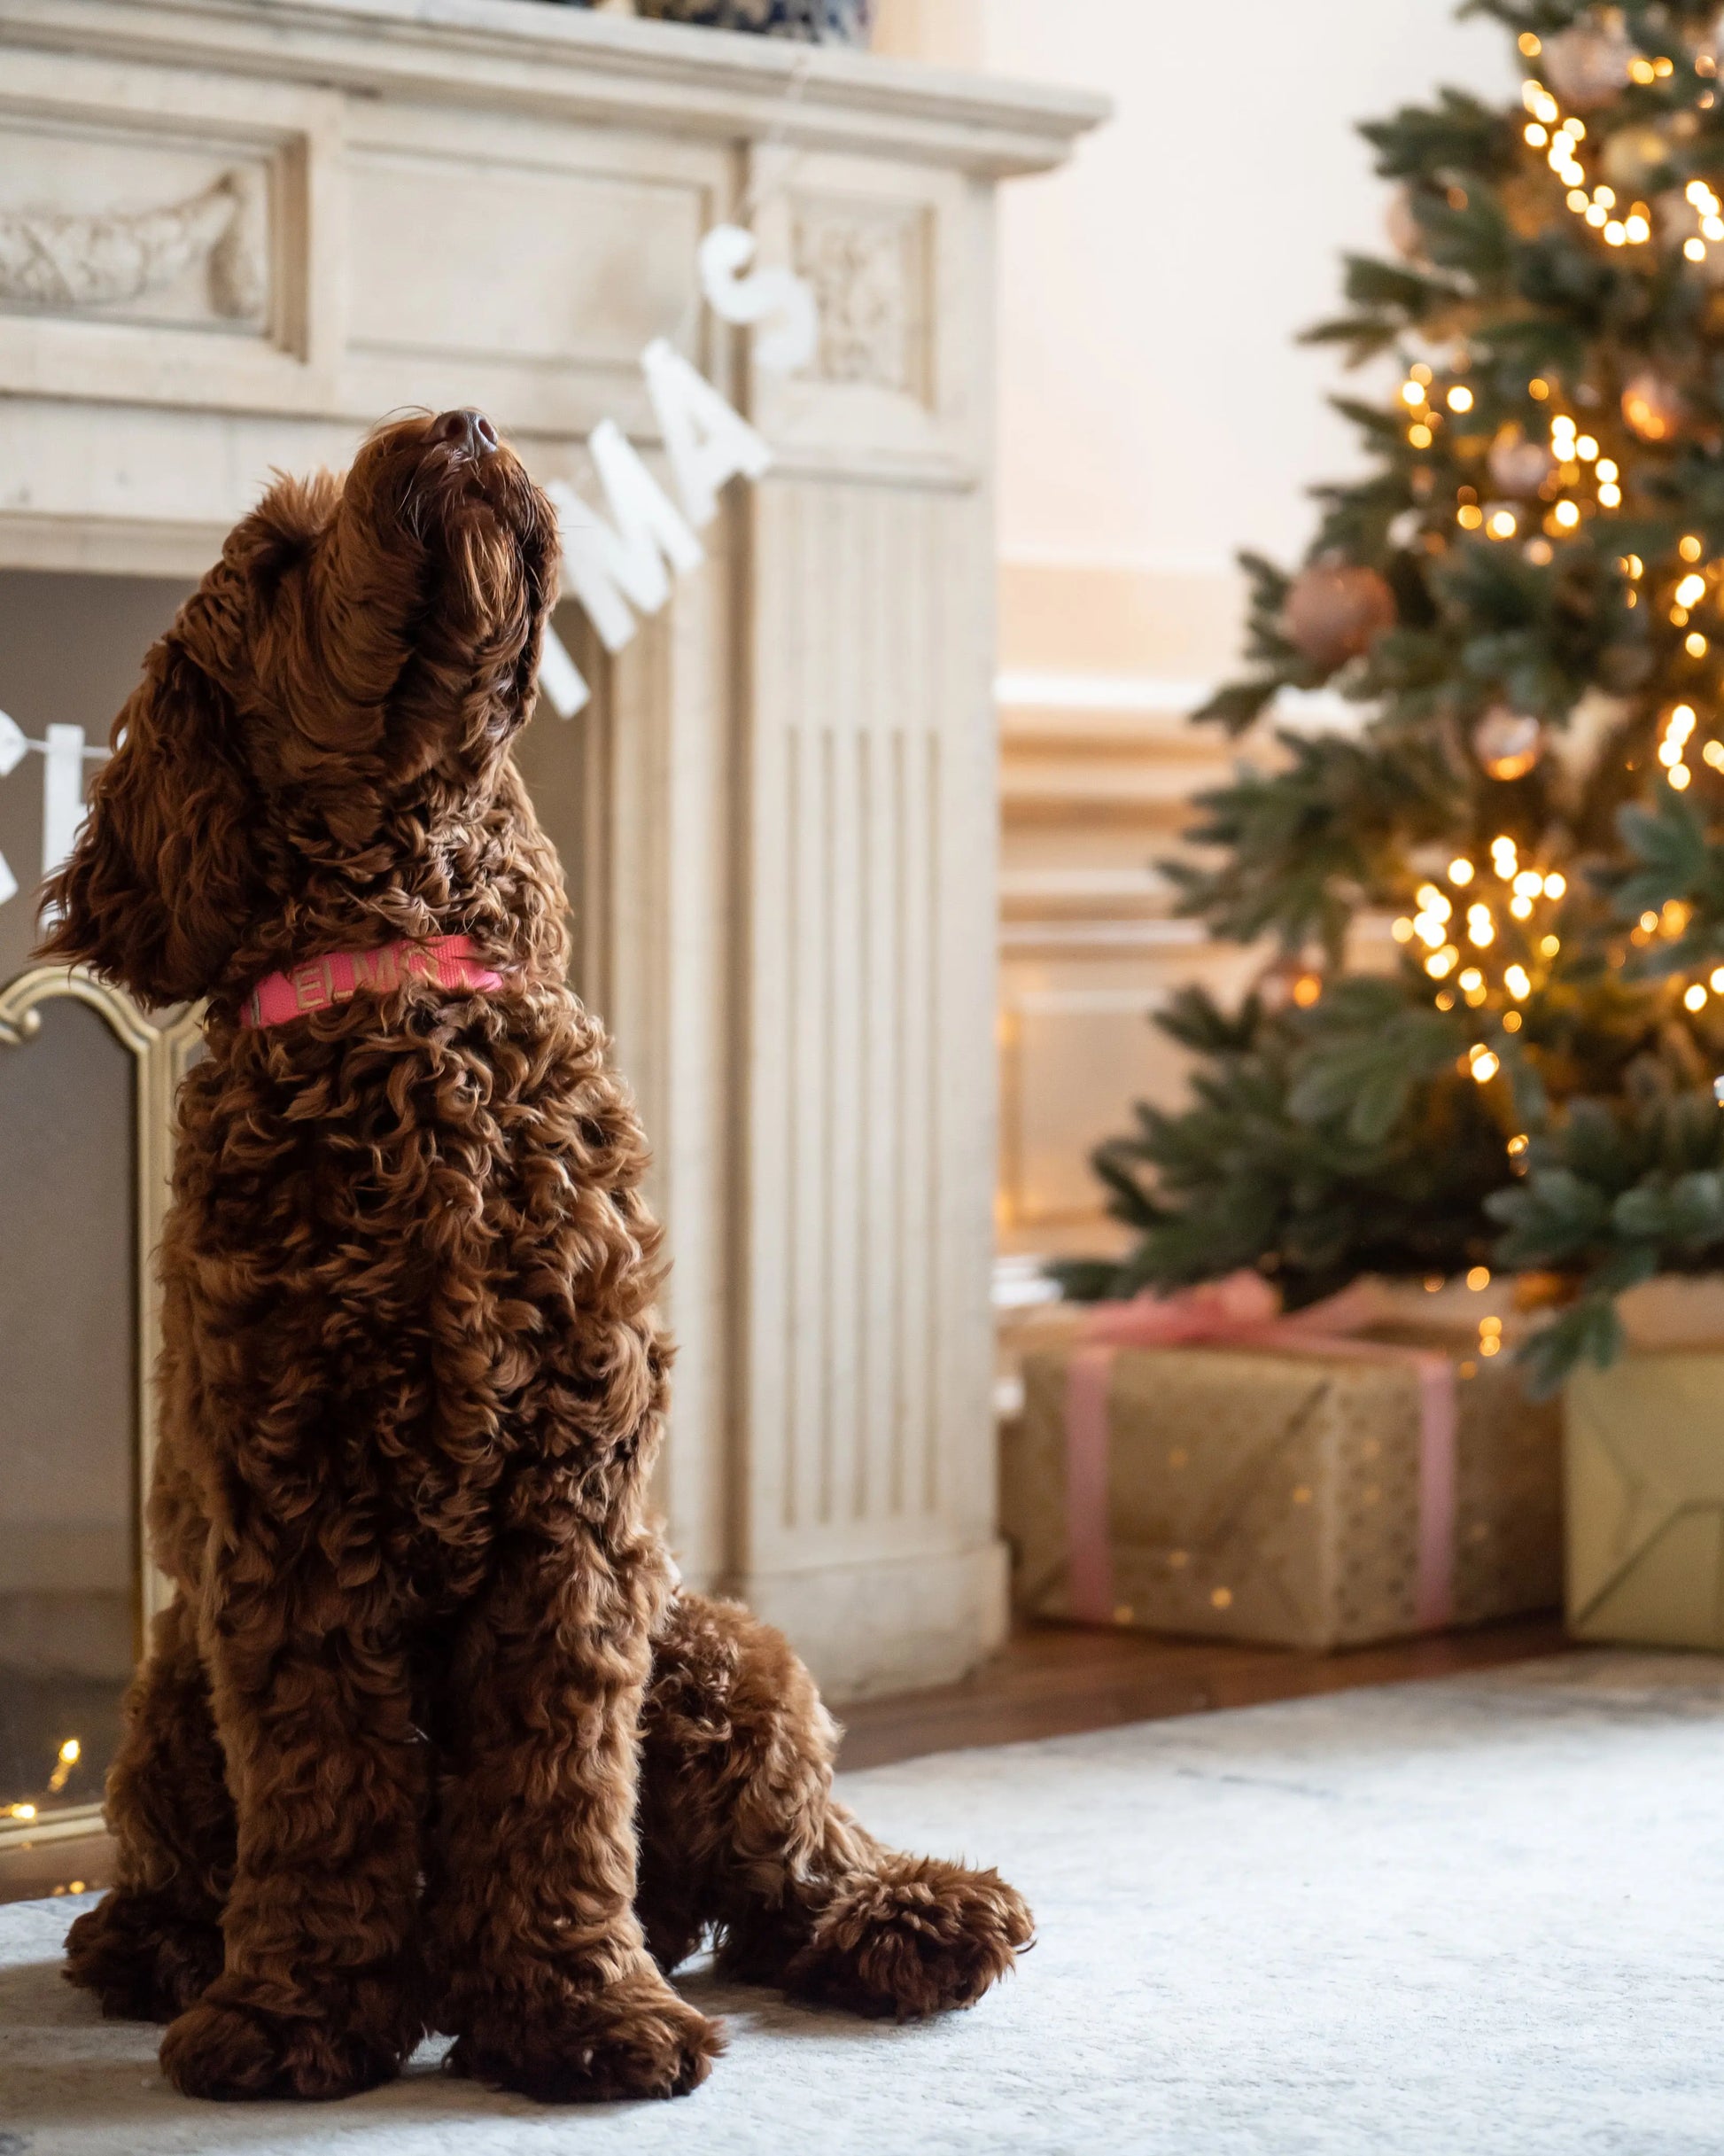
(78, 1325)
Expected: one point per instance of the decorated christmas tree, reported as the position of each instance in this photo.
(1491, 1019)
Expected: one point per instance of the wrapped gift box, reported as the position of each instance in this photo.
(1645, 1445)
(1288, 1497)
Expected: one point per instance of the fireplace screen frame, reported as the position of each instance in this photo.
(161, 1052)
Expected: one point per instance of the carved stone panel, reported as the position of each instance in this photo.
(898, 259)
(867, 262)
(167, 231)
(99, 225)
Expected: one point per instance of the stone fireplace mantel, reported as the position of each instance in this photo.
(234, 233)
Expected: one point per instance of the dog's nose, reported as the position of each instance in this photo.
(467, 430)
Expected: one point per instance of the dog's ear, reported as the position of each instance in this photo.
(160, 888)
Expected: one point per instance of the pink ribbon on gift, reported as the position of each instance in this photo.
(1245, 1311)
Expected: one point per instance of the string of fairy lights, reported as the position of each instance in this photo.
(1560, 139)
(1521, 939)
(65, 1760)
(1487, 937)
(1570, 460)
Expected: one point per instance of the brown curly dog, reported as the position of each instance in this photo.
(426, 1739)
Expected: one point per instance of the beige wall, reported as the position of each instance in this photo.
(950, 33)
(1156, 414)
(1155, 411)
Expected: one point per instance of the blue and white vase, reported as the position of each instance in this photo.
(823, 22)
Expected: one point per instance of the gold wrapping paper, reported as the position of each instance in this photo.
(1270, 1497)
(1645, 1445)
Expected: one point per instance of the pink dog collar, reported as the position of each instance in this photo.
(319, 984)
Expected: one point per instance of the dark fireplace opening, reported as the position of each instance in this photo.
(70, 1291)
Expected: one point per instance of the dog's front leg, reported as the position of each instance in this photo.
(317, 1996)
(152, 1945)
(544, 1977)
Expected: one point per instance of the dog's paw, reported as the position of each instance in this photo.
(235, 2052)
(636, 2038)
(145, 1960)
(914, 1937)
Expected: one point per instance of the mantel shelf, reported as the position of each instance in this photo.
(564, 63)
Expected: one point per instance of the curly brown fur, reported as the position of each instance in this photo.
(740, 1834)
(911, 1936)
(153, 1946)
(381, 1769)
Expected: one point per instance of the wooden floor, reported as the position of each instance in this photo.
(1050, 1681)
(1055, 1680)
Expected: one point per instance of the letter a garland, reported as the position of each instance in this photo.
(615, 568)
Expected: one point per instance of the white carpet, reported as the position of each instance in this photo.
(1479, 1918)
